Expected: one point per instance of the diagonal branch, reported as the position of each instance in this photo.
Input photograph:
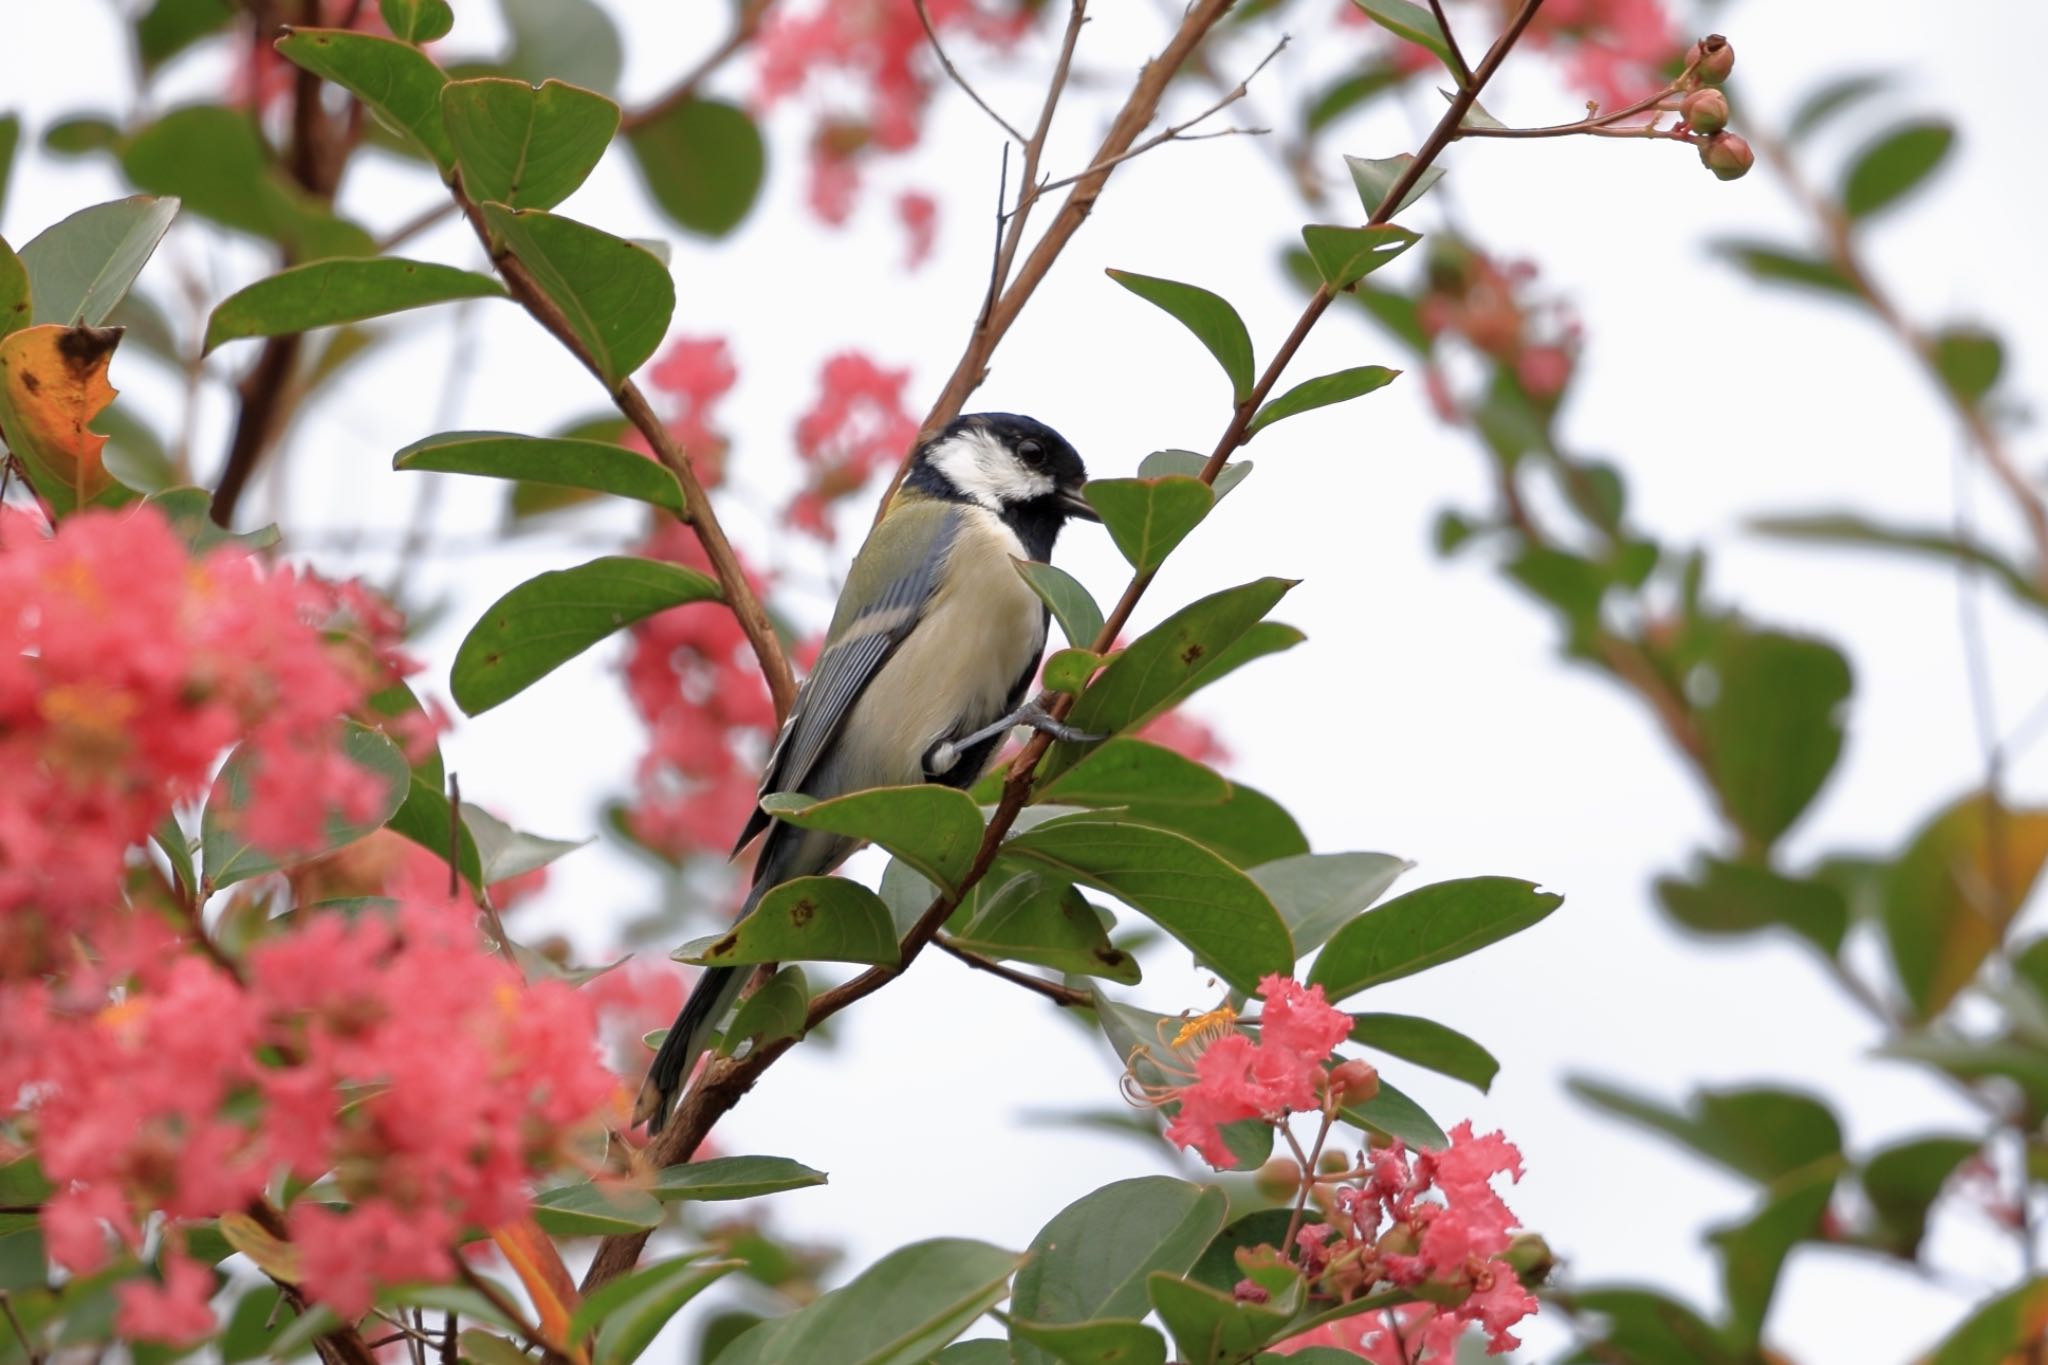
(632, 403)
(746, 23)
(722, 1084)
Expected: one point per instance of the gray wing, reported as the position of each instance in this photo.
(855, 651)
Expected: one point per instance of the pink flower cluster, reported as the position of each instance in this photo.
(1416, 1220)
(126, 667)
(693, 678)
(876, 50)
(1236, 1078)
(694, 373)
(386, 1056)
(857, 427)
(1488, 304)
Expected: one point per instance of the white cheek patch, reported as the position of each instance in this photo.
(982, 468)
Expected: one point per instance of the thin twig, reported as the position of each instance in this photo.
(946, 63)
(1458, 66)
(995, 255)
(29, 1349)
(746, 23)
(1056, 991)
(1131, 120)
(500, 1301)
(414, 226)
(633, 404)
(1034, 146)
(1179, 132)
(725, 1080)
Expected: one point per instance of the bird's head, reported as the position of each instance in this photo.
(1017, 467)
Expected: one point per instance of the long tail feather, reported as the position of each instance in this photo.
(713, 995)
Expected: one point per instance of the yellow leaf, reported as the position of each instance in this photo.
(533, 1258)
(1950, 897)
(53, 382)
(274, 1256)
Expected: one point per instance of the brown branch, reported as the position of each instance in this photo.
(1056, 991)
(1131, 120)
(1839, 240)
(946, 64)
(342, 1346)
(746, 23)
(722, 1084)
(632, 403)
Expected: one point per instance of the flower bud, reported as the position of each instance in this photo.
(1278, 1179)
(1705, 111)
(1531, 1258)
(1251, 1291)
(1711, 59)
(1354, 1081)
(1727, 156)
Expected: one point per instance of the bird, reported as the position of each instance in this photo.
(927, 664)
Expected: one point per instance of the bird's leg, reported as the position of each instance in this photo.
(947, 752)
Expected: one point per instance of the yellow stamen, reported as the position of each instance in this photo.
(1206, 1028)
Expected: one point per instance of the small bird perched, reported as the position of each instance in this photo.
(927, 664)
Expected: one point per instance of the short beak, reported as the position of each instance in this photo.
(1074, 505)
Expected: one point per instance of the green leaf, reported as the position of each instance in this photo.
(427, 819)
(1258, 640)
(1412, 22)
(1080, 619)
(326, 293)
(1124, 771)
(1322, 391)
(478, 1347)
(1161, 464)
(1830, 99)
(1106, 1341)
(574, 40)
(1250, 828)
(1345, 255)
(417, 21)
(1091, 1261)
(1149, 517)
(16, 304)
(899, 1311)
(703, 162)
(1753, 1252)
(631, 1327)
(1842, 528)
(504, 852)
(1890, 168)
(779, 1009)
(598, 466)
(1153, 672)
(395, 81)
(1760, 1133)
(1186, 889)
(1375, 180)
(216, 162)
(981, 1351)
(10, 138)
(230, 858)
(1969, 360)
(1218, 1267)
(1723, 897)
(594, 1210)
(551, 618)
(1430, 925)
(1999, 1329)
(81, 136)
(734, 1177)
(616, 296)
(78, 269)
(1427, 1043)
(935, 829)
(1316, 893)
(1643, 1325)
(1391, 1113)
(1773, 726)
(1766, 262)
(1209, 316)
(615, 1294)
(526, 147)
(1974, 1060)
(1903, 1181)
(1016, 915)
(1069, 670)
(807, 919)
(168, 27)
(257, 1319)
(1951, 894)
(1211, 1327)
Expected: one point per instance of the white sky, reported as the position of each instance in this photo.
(1427, 716)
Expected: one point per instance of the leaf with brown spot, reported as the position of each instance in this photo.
(53, 382)
(810, 919)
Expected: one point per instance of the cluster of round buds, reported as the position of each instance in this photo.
(1704, 109)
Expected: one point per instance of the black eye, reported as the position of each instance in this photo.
(1031, 453)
